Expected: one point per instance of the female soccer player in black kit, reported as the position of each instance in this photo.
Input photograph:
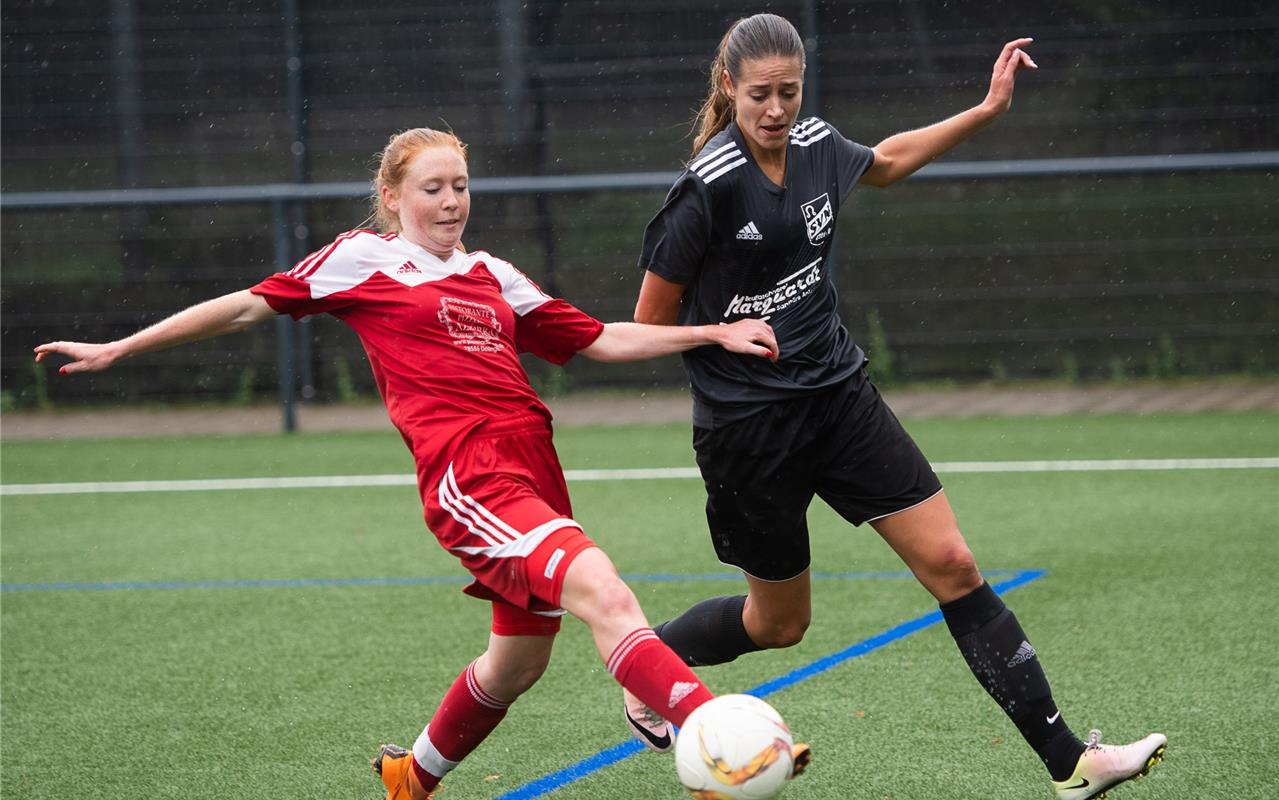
(746, 232)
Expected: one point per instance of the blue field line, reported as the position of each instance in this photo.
(875, 642)
(302, 583)
(620, 752)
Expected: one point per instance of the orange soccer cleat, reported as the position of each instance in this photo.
(395, 766)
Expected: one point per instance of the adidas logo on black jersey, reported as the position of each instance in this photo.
(750, 233)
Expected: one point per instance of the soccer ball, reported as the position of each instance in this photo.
(734, 747)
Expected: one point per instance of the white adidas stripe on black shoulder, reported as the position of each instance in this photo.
(803, 125)
(705, 156)
(709, 166)
(809, 132)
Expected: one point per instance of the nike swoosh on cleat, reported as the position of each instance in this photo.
(661, 742)
(1054, 717)
(1083, 784)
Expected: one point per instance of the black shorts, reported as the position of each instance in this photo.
(843, 444)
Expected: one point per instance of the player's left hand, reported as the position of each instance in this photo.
(85, 356)
(1012, 58)
(753, 337)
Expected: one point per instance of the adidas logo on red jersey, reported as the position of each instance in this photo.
(408, 267)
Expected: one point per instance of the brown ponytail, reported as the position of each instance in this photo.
(717, 109)
(747, 39)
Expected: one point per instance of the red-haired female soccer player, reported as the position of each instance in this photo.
(443, 329)
(746, 231)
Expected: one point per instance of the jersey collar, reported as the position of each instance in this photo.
(737, 136)
(454, 261)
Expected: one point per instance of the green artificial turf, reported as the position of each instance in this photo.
(195, 672)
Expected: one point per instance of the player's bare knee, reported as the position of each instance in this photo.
(593, 590)
(955, 569)
(520, 679)
(615, 600)
(783, 633)
(508, 674)
(606, 599)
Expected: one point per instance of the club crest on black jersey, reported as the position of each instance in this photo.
(819, 217)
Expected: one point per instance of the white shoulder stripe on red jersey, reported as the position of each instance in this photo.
(518, 289)
(311, 263)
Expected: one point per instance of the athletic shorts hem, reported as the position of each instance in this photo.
(907, 508)
(843, 444)
(773, 580)
(573, 545)
(509, 620)
(554, 555)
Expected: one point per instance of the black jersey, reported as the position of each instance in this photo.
(746, 247)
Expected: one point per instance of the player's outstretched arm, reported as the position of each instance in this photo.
(902, 154)
(633, 341)
(225, 314)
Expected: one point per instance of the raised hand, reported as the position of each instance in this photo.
(1012, 58)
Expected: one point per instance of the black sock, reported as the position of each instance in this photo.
(1006, 666)
(711, 632)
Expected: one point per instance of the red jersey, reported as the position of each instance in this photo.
(442, 337)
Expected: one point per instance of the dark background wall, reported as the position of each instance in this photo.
(1084, 275)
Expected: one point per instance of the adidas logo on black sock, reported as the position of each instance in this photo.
(1023, 654)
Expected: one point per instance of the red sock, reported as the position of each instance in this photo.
(653, 673)
(466, 716)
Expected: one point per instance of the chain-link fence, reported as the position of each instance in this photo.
(1085, 273)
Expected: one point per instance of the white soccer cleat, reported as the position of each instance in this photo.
(647, 725)
(1103, 766)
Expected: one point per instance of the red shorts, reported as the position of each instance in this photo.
(502, 508)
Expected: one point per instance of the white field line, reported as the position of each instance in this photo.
(347, 481)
